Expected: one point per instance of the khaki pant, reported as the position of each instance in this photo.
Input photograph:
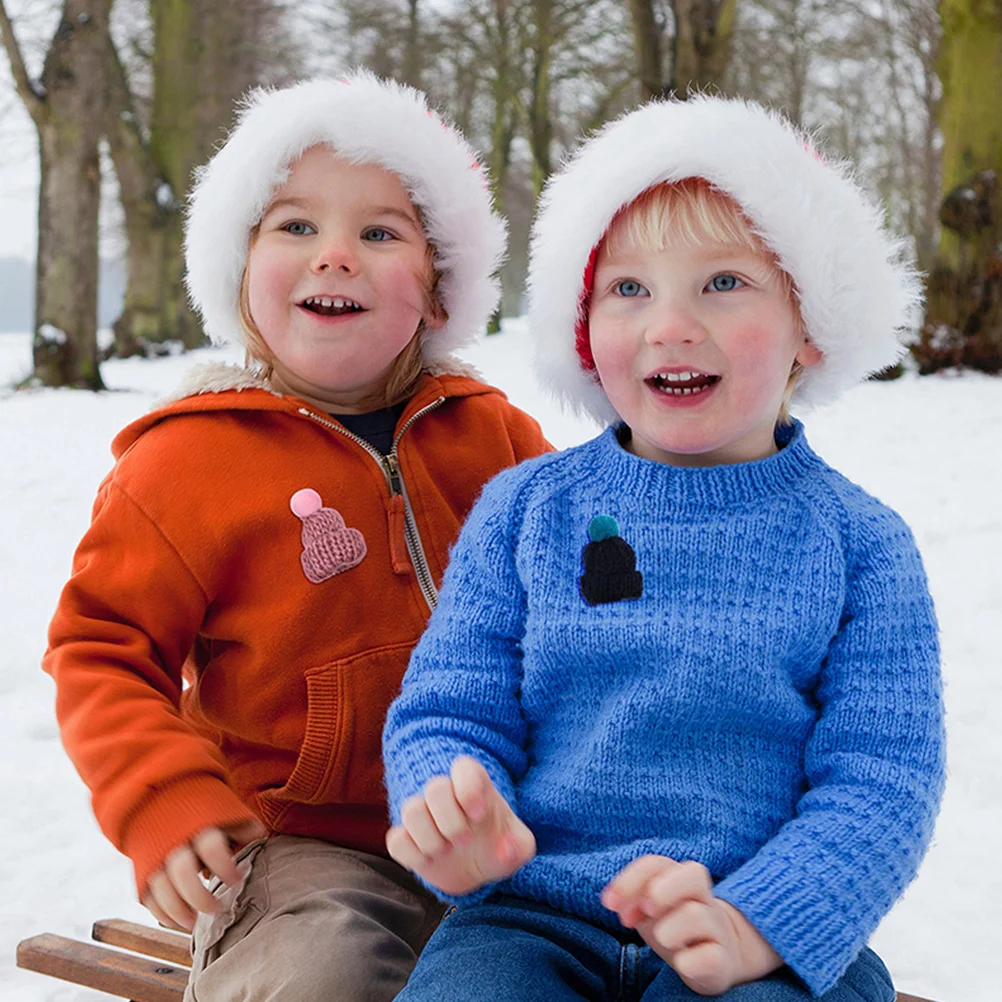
(312, 922)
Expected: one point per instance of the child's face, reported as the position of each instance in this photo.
(694, 346)
(337, 279)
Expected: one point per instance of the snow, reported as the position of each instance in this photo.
(929, 447)
(165, 196)
(51, 334)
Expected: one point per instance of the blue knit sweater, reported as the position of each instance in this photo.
(769, 706)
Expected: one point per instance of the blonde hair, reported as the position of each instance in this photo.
(692, 212)
(407, 366)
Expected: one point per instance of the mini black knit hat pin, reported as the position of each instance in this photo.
(610, 565)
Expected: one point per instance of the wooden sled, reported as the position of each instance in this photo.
(155, 968)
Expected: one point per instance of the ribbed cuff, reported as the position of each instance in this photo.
(812, 934)
(172, 815)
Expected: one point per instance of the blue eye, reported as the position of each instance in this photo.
(630, 288)
(298, 228)
(377, 234)
(725, 283)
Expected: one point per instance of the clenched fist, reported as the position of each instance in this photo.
(460, 833)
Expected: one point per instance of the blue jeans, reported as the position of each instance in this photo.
(521, 951)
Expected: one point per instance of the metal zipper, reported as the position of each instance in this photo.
(390, 465)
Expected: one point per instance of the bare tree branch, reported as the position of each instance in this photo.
(32, 97)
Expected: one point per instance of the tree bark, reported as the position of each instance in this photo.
(700, 46)
(67, 107)
(206, 54)
(647, 45)
(963, 324)
(144, 320)
(703, 30)
(540, 122)
(504, 88)
(412, 46)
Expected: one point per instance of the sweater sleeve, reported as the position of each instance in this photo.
(874, 767)
(460, 692)
(125, 623)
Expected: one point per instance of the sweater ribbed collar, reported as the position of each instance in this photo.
(707, 486)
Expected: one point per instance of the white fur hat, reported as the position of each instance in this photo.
(365, 120)
(857, 294)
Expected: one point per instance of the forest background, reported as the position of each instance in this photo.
(118, 100)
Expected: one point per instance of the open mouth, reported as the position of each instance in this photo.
(682, 384)
(331, 306)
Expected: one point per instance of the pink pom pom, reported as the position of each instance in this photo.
(305, 502)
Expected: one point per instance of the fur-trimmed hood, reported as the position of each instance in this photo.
(218, 377)
(365, 120)
(223, 386)
(858, 295)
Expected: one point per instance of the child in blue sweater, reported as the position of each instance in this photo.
(675, 728)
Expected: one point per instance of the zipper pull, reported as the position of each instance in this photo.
(396, 518)
(394, 469)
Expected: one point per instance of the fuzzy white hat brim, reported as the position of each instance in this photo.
(857, 294)
(365, 120)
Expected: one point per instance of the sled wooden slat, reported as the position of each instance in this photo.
(156, 970)
(124, 975)
(171, 946)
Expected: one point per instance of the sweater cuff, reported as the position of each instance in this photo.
(170, 816)
(808, 931)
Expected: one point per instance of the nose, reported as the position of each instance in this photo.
(674, 324)
(335, 253)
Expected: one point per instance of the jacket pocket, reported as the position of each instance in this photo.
(341, 760)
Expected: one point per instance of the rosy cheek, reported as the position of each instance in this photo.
(257, 299)
(411, 283)
(268, 284)
(610, 348)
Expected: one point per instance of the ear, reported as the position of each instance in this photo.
(809, 354)
(435, 316)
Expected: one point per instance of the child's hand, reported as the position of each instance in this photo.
(175, 893)
(461, 833)
(708, 942)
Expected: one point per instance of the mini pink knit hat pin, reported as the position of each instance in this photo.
(329, 547)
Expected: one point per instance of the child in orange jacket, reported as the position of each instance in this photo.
(266, 551)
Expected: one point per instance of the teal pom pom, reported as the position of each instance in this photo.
(602, 527)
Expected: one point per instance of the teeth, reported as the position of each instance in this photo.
(683, 391)
(664, 380)
(336, 302)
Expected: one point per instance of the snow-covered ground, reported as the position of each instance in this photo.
(932, 448)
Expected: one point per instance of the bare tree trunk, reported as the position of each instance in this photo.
(67, 108)
(701, 46)
(540, 122)
(647, 45)
(412, 47)
(964, 315)
(194, 52)
(147, 202)
(703, 30)
(504, 92)
(206, 53)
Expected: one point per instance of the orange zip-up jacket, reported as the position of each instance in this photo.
(219, 655)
